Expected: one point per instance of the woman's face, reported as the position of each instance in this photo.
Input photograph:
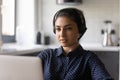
(66, 31)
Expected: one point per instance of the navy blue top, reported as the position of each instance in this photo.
(77, 65)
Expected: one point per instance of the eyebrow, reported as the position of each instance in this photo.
(64, 26)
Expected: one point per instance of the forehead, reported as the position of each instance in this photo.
(64, 20)
(66, 16)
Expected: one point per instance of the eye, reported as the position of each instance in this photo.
(57, 29)
(68, 28)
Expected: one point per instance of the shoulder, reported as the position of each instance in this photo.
(88, 54)
(90, 57)
(47, 53)
(97, 67)
(93, 59)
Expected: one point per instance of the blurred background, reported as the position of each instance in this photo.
(26, 25)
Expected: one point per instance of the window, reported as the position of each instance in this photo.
(8, 20)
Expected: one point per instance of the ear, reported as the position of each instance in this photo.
(78, 35)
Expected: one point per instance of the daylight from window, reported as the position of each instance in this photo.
(8, 17)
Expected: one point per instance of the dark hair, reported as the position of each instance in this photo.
(76, 15)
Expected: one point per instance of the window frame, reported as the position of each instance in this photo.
(10, 38)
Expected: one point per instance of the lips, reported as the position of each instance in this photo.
(63, 40)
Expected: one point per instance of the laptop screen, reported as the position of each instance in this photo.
(20, 68)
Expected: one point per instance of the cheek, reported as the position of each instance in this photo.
(57, 35)
(74, 36)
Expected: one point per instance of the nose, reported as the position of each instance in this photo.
(62, 33)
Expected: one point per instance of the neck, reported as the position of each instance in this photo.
(70, 48)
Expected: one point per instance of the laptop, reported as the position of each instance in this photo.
(20, 68)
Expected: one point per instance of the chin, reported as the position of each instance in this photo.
(64, 45)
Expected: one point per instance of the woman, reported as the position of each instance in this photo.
(70, 61)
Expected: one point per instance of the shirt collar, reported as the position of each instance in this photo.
(77, 51)
(59, 51)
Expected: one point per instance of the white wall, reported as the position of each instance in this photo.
(95, 11)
